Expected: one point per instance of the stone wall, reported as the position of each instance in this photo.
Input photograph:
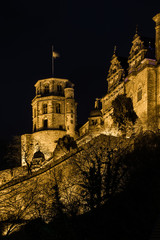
(22, 187)
(45, 141)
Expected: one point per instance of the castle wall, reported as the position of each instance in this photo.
(55, 120)
(152, 99)
(45, 141)
(109, 126)
(37, 188)
(134, 84)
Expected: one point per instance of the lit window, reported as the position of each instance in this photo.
(58, 108)
(139, 94)
(44, 108)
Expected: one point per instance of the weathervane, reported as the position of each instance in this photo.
(54, 55)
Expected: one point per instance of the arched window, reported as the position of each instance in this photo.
(58, 108)
(44, 108)
(139, 94)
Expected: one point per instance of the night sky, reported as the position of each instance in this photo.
(83, 33)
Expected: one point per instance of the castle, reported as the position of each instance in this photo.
(139, 78)
(54, 108)
(53, 116)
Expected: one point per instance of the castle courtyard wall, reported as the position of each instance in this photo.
(45, 141)
(36, 187)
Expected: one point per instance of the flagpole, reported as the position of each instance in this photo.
(52, 62)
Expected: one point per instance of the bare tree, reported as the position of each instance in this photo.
(18, 206)
(27, 155)
(99, 173)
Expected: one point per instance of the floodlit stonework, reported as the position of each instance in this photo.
(54, 114)
(139, 78)
(54, 108)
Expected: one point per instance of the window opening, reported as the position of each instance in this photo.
(139, 94)
(44, 108)
(45, 123)
(58, 108)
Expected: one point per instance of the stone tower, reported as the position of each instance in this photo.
(157, 37)
(53, 115)
(54, 107)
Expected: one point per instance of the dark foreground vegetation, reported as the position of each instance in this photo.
(129, 214)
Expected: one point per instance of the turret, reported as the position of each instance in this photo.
(157, 33)
(70, 111)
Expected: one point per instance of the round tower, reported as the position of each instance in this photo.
(156, 19)
(70, 111)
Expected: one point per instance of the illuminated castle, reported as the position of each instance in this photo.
(54, 106)
(53, 115)
(139, 78)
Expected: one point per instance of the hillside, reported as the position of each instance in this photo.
(122, 211)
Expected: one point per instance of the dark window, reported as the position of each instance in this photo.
(72, 121)
(59, 88)
(58, 108)
(34, 112)
(45, 123)
(38, 90)
(44, 108)
(34, 128)
(60, 127)
(46, 88)
(94, 122)
(139, 94)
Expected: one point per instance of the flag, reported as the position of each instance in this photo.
(55, 54)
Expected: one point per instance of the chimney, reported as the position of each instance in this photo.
(157, 41)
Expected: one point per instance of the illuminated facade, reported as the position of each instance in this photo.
(53, 115)
(139, 78)
(54, 106)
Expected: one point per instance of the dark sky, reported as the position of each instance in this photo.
(83, 33)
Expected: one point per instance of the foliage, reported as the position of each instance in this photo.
(10, 152)
(67, 142)
(118, 189)
(123, 112)
(99, 173)
(64, 145)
